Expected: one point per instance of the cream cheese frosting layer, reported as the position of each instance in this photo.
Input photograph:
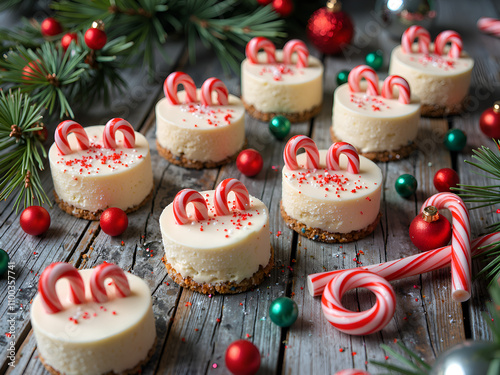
(221, 249)
(96, 338)
(374, 123)
(282, 88)
(98, 178)
(201, 133)
(333, 201)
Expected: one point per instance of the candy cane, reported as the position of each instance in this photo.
(401, 83)
(412, 33)
(460, 243)
(173, 81)
(220, 88)
(448, 36)
(296, 45)
(47, 286)
(61, 136)
(182, 199)
(353, 371)
(339, 148)
(489, 25)
(112, 126)
(108, 271)
(222, 191)
(293, 145)
(255, 45)
(366, 72)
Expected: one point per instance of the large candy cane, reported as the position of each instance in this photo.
(296, 45)
(118, 124)
(366, 72)
(339, 148)
(108, 271)
(214, 84)
(222, 191)
(460, 242)
(255, 45)
(402, 84)
(448, 36)
(182, 199)
(489, 25)
(47, 286)
(293, 145)
(61, 136)
(412, 33)
(173, 81)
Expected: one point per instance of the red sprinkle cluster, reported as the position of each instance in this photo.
(366, 102)
(436, 61)
(277, 71)
(213, 116)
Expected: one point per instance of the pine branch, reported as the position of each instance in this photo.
(418, 367)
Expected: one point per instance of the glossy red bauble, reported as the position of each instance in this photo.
(430, 235)
(34, 220)
(67, 39)
(114, 221)
(249, 162)
(489, 122)
(446, 178)
(95, 38)
(50, 27)
(283, 7)
(242, 358)
(31, 70)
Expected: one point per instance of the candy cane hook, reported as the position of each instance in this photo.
(118, 124)
(100, 274)
(222, 191)
(296, 45)
(412, 33)
(173, 81)
(255, 45)
(61, 136)
(182, 199)
(214, 84)
(402, 84)
(339, 148)
(296, 143)
(445, 37)
(366, 72)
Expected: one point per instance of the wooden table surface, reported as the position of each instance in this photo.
(194, 330)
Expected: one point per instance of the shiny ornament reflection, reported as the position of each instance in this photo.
(469, 358)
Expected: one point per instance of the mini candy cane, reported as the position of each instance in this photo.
(448, 36)
(489, 25)
(182, 199)
(353, 371)
(293, 145)
(412, 33)
(333, 155)
(220, 88)
(404, 88)
(296, 45)
(61, 136)
(47, 286)
(173, 81)
(222, 191)
(460, 243)
(366, 72)
(258, 43)
(103, 272)
(112, 126)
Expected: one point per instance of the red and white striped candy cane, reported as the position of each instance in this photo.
(173, 81)
(364, 322)
(296, 45)
(402, 84)
(118, 124)
(448, 36)
(489, 25)
(352, 371)
(255, 45)
(47, 286)
(108, 271)
(296, 143)
(220, 88)
(366, 72)
(61, 136)
(412, 33)
(339, 148)
(460, 242)
(182, 199)
(222, 191)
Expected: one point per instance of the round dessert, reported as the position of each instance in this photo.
(91, 174)
(218, 243)
(330, 198)
(440, 76)
(106, 330)
(199, 134)
(281, 82)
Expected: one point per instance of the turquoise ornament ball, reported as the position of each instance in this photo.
(342, 77)
(406, 185)
(455, 140)
(280, 127)
(283, 311)
(375, 59)
(4, 261)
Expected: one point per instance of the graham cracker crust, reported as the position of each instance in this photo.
(94, 215)
(293, 117)
(222, 288)
(383, 156)
(430, 110)
(321, 235)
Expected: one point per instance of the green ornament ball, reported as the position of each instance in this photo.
(375, 59)
(406, 185)
(283, 311)
(455, 140)
(342, 77)
(4, 261)
(279, 126)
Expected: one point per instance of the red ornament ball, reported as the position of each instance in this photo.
(67, 39)
(264, 2)
(42, 134)
(446, 178)
(430, 235)
(242, 358)
(283, 7)
(95, 38)
(249, 162)
(31, 70)
(34, 220)
(114, 221)
(489, 122)
(50, 27)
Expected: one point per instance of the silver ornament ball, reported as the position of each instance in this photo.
(468, 358)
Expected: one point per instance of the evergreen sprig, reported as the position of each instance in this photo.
(415, 367)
